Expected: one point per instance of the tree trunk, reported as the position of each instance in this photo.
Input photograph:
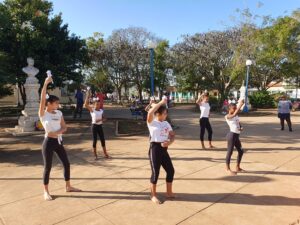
(119, 90)
(140, 93)
(23, 93)
(126, 90)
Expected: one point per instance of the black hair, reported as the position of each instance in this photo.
(231, 105)
(206, 94)
(161, 109)
(51, 99)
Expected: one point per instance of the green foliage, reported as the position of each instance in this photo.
(262, 99)
(28, 29)
(214, 103)
(100, 82)
(274, 47)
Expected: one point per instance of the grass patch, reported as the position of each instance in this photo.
(132, 127)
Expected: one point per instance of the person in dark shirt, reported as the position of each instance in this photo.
(79, 103)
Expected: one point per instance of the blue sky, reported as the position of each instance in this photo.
(168, 19)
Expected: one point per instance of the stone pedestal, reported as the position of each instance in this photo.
(243, 96)
(26, 122)
(30, 113)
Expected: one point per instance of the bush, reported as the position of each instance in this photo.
(262, 99)
(214, 103)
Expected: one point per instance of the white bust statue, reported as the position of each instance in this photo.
(31, 71)
(243, 91)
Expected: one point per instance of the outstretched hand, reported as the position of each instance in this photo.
(48, 80)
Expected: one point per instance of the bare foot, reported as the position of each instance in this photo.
(203, 147)
(155, 200)
(107, 156)
(211, 146)
(47, 196)
(72, 189)
(171, 196)
(232, 173)
(240, 170)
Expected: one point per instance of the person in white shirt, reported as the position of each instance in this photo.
(54, 125)
(203, 102)
(161, 137)
(233, 137)
(284, 112)
(97, 121)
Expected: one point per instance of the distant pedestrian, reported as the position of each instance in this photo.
(101, 98)
(284, 112)
(79, 103)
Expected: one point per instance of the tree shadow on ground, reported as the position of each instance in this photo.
(242, 179)
(227, 198)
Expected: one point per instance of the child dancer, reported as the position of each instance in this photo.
(161, 136)
(97, 121)
(233, 137)
(203, 102)
(54, 125)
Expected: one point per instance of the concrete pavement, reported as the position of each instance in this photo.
(116, 191)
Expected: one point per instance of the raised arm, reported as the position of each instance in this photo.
(86, 102)
(43, 96)
(155, 107)
(240, 105)
(199, 100)
(147, 108)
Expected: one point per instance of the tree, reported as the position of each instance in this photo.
(29, 29)
(274, 48)
(205, 61)
(138, 59)
(100, 82)
(161, 64)
(123, 57)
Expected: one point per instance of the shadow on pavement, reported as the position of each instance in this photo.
(232, 198)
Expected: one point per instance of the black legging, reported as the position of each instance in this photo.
(98, 130)
(78, 109)
(233, 140)
(159, 156)
(205, 124)
(51, 145)
(287, 117)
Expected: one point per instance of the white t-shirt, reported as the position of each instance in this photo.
(159, 131)
(234, 124)
(52, 122)
(284, 106)
(97, 115)
(205, 109)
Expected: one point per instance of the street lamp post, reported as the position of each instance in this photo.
(248, 64)
(151, 47)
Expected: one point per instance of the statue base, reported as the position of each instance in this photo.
(27, 122)
(249, 107)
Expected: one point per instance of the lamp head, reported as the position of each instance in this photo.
(151, 45)
(248, 62)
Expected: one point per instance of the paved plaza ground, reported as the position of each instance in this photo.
(116, 191)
